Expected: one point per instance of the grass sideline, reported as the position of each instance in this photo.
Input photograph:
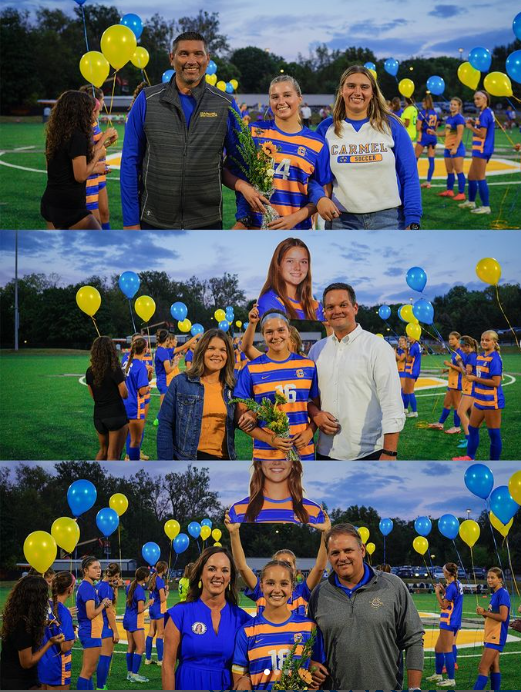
(468, 657)
(22, 189)
(46, 413)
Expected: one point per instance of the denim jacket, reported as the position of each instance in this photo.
(180, 419)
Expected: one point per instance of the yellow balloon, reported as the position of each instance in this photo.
(238, 323)
(468, 75)
(140, 57)
(234, 83)
(364, 533)
(406, 87)
(407, 313)
(514, 487)
(217, 544)
(420, 545)
(206, 532)
(94, 67)
(211, 79)
(172, 528)
(373, 72)
(488, 270)
(40, 550)
(413, 330)
(88, 299)
(216, 534)
(145, 307)
(118, 44)
(119, 503)
(498, 84)
(221, 85)
(184, 326)
(219, 315)
(499, 526)
(66, 533)
(469, 532)
(370, 547)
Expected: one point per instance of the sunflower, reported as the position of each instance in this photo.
(269, 148)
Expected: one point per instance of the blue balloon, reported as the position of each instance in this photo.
(207, 522)
(479, 480)
(224, 325)
(151, 553)
(229, 88)
(384, 311)
(167, 76)
(134, 23)
(448, 526)
(107, 521)
(194, 529)
(179, 311)
(423, 526)
(513, 65)
(212, 68)
(81, 496)
(245, 325)
(385, 526)
(516, 26)
(79, 2)
(480, 59)
(416, 279)
(502, 504)
(181, 542)
(391, 66)
(436, 85)
(370, 66)
(196, 329)
(129, 284)
(423, 311)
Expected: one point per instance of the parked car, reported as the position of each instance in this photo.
(420, 572)
(438, 575)
(480, 572)
(462, 574)
(404, 572)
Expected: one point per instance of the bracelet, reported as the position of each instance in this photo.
(389, 453)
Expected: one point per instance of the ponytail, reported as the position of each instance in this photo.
(138, 346)
(60, 583)
(141, 573)
(160, 568)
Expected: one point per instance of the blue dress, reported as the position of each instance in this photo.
(205, 658)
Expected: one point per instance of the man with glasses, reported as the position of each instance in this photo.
(361, 413)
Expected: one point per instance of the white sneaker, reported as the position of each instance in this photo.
(412, 414)
(481, 210)
(467, 205)
(406, 411)
(129, 677)
(148, 661)
(447, 683)
(138, 678)
(435, 678)
(159, 663)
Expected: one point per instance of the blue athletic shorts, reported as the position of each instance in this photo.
(89, 642)
(449, 628)
(496, 647)
(460, 152)
(427, 140)
(107, 633)
(479, 155)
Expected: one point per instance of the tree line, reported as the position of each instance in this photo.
(41, 57)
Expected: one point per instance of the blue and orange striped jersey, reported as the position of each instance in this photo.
(450, 617)
(105, 590)
(412, 367)
(302, 160)
(496, 632)
(136, 378)
(297, 602)
(240, 358)
(93, 181)
(157, 609)
(469, 359)
(161, 355)
(88, 628)
(262, 646)
(486, 397)
(296, 379)
(277, 511)
(147, 360)
(96, 136)
(54, 667)
(485, 147)
(132, 620)
(400, 364)
(270, 301)
(428, 119)
(451, 129)
(454, 380)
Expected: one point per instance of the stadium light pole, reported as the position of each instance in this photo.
(16, 292)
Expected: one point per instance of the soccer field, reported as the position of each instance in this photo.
(23, 179)
(469, 646)
(46, 411)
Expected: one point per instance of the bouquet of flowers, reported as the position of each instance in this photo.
(258, 165)
(294, 674)
(275, 418)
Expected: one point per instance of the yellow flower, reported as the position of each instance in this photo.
(269, 148)
(305, 675)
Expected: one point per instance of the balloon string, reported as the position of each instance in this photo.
(146, 76)
(474, 575)
(131, 315)
(504, 315)
(112, 94)
(85, 28)
(384, 551)
(515, 97)
(169, 561)
(119, 546)
(511, 568)
(504, 131)
(92, 318)
(493, 537)
(390, 328)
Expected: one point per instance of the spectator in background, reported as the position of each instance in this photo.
(305, 111)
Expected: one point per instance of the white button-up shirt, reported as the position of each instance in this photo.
(359, 385)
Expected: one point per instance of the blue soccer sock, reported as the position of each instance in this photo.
(82, 684)
(136, 663)
(450, 665)
(129, 662)
(430, 172)
(412, 401)
(484, 193)
(450, 181)
(406, 398)
(454, 647)
(148, 648)
(473, 443)
(439, 658)
(495, 681)
(481, 682)
(102, 672)
(91, 684)
(106, 226)
(461, 183)
(127, 444)
(444, 415)
(496, 445)
(134, 453)
(473, 190)
(457, 419)
(159, 647)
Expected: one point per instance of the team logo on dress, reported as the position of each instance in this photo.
(199, 628)
(300, 373)
(297, 637)
(376, 603)
(301, 151)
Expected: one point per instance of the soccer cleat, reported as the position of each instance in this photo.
(456, 667)
(148, 661)
(453, 431)
(435, 678)
(447, 193)
(101, 688)
(425, 185)
(460, 197)
(447, 683)
(139, 678)
(463, 444)
(465, 458)
(159, 663)
(129, 677)
(143, 457)
(412, 414)
(481, 210)
(467, 205)
(435, 426)
(156, 422)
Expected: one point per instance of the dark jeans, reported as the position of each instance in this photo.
(215, 227)
(370, 457)
(204, 456)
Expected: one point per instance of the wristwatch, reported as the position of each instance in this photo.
(245, 220)
(414, 226)
(388, 453)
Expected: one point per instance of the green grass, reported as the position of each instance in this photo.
(22, 190)
(45, 413)
(468, 657)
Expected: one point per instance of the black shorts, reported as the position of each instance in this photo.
(61, 218)
(110, 424)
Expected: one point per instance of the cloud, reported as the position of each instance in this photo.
(436, 469)
(371, 28)
(446, 11)
(497, 37)
(394, 271)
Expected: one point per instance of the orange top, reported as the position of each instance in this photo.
(213, 424)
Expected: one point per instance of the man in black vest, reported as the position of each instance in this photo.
(173, 149)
